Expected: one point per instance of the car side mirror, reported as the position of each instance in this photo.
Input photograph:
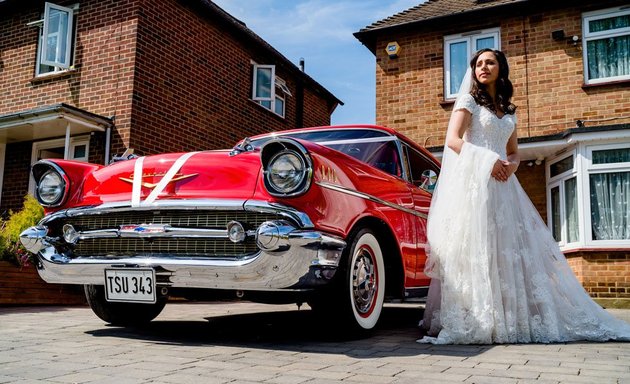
(428, 179)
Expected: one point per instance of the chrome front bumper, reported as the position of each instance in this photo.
(289, 258)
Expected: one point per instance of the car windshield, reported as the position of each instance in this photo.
(374, 147)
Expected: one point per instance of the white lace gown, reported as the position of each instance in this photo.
(501, 274)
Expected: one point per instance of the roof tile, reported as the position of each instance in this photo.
(433, 9)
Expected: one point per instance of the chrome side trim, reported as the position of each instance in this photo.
(374, 199)
(377, 139)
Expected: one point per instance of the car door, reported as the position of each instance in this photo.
(422, 175)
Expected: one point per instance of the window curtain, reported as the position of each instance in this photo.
(610, 196)
(571, 204)
(609, 57)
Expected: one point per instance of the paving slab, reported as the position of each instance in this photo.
(243, 342)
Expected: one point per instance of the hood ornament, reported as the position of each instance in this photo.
(244, 146)
(177, 177)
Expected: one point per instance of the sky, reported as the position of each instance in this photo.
(321, 32)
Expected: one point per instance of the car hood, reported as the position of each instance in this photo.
(199, 175)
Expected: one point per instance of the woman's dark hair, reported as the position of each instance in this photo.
(503, 85)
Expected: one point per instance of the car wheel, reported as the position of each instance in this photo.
(124, 314)
(355, 298)
(365, 280)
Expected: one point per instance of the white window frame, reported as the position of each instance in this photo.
(559, 181)
(41, 24)
(583, 167)
(590, 169)
(590, 36)
(275, 105)
(58, 143)
(271, 101)
(65, 63)
(471, 39)
(271, 97)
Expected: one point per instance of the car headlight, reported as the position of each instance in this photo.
(287, 169)
(52, 184)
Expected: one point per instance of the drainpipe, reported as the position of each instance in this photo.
(108, 139)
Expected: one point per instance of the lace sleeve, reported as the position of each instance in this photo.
(466, 102)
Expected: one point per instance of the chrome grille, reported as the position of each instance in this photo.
(124, 247)
(175, 247)
(176, 218)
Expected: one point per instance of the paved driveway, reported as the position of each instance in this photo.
(251, 343)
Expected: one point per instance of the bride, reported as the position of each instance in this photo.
(504, 280)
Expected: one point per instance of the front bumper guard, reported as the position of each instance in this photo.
(289, 259)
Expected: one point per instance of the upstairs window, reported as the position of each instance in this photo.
(606, 36)
(459, 50)
(56, 35)
(269, 90)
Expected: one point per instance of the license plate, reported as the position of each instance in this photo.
(130, 285)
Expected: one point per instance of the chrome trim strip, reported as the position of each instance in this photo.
(262, 206)
(371, 198)
(365, 140)
(168, 232)
(300, 218)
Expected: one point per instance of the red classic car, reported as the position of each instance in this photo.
(331, 216)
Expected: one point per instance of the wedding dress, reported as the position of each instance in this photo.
(498, 274)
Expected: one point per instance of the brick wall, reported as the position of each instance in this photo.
(409, 89)
(532, 179)
(23, 286)
(180, 80)
(17, 162)
(548, 78)
(604, 274)
(101, 82)
(194, 82)
(104, 62)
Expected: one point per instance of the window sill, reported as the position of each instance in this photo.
(569, 250)
(606, 83)
(447, 102)
(54, 75)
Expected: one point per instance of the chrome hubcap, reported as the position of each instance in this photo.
(363, 281)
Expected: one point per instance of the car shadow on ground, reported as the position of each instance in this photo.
(295, 330)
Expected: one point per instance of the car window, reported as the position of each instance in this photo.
(374, 147)
(325, 136)
(379, 154)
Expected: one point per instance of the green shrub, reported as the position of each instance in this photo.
(30, 214)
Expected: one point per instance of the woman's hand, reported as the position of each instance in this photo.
(503, 169)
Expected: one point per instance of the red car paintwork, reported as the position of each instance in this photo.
(217, 175)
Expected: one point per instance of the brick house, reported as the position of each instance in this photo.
(570, 65)
(88, 79)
